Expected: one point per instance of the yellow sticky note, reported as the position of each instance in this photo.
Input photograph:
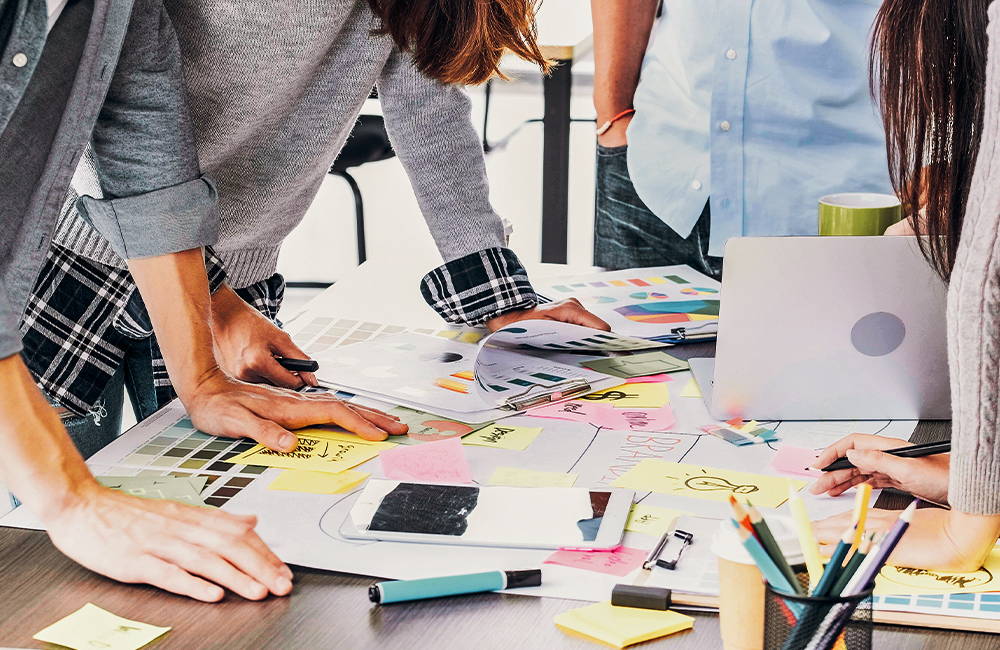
(304, 480)
(92, 627)
(502, 436)
(531, 478)
(636, 396)
(319, 450)
(650, 519)
(677, 479)
(902, 581)
(621, 626)
(691, 389)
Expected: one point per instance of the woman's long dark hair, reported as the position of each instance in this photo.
(928, 75)
(461, 41)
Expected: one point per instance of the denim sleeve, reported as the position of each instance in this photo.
(155, 200)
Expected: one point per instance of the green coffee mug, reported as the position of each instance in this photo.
(858, 213)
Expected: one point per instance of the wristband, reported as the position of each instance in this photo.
(607, 125)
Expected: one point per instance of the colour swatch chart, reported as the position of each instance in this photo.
(322, 333)
(966, 605)
(647, 303)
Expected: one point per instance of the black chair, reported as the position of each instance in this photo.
(367, 143)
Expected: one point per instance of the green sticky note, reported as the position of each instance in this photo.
(502, 436)
(92, 627)
(638, 365)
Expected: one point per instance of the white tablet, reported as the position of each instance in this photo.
(468, 515)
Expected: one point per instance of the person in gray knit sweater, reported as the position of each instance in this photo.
(274, 93)
(939, 86)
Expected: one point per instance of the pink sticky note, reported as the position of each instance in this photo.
(442, 461)
(573, 410)
(796, 461)
(651, 379)
(619, 562)
(630, 419)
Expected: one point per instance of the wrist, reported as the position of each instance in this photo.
(615, 136)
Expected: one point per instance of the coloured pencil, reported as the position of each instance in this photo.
(766, 539)
(742, 516)
(806, 539)
(834, 566)
(853, 564)
(861, 500)
(760, 557)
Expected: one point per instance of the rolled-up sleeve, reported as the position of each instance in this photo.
(10, 337)
(155, 200)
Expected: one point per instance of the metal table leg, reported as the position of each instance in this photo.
(555, 162)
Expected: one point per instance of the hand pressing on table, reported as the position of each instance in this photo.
(925, 477)
(565, 311)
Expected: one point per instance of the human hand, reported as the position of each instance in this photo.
(829, 531)
(222, 406)
(566, 311)
(925, 477)
(246, 343)
(190, 551)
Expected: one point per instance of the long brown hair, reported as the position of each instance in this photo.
(461, 41)
(928, 75)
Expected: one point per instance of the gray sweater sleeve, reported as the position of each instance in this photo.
(430, 127)
(974, 318)
(144, 148)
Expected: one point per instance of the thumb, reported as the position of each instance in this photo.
(872, 461)
(273, 436)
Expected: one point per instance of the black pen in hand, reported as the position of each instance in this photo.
(298, 365)
(913, 451)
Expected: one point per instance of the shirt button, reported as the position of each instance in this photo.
(724, 204)
(730, 54)
(725, 125)
(695, 185)
(20, 60)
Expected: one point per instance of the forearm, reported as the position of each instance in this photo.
(175, 290)
(621, 34)
(38, 461)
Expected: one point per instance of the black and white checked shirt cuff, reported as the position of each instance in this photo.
(478, 287)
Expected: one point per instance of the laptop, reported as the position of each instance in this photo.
(828, 328)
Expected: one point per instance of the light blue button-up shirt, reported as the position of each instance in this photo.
(760, 105)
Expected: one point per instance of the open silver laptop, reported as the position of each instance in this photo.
(836, 328)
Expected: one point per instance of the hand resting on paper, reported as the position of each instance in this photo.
(925, 477)
(937, 539)
(565, 311)
(246, 343)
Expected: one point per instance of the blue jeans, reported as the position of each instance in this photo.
(628, 235)
(103, 424)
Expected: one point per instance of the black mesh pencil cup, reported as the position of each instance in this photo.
(828, 623)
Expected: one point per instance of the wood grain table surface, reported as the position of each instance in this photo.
(39, 585)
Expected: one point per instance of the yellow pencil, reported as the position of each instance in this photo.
(806, 539)
(860, 514)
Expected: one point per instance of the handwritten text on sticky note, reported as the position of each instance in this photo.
(650, 519)
(619, 562)
(502, 436)
(318, 450)
(92, 627)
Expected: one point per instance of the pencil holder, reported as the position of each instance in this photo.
(804, 623)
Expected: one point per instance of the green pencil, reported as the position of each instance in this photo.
(767, 540)
(852, 566)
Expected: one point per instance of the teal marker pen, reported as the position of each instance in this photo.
(397, 591)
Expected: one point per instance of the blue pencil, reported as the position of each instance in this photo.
(767, 567)
(833, 568)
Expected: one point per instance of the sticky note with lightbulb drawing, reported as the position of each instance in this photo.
(708, 483)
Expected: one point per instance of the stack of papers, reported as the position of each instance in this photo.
(621, 626)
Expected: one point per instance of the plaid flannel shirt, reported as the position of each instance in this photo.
(83, 314)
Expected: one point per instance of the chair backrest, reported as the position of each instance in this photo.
(367, 143)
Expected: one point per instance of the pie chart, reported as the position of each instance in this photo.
(681, 311)
(697, 291)
(643, 295)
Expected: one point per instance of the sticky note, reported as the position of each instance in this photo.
(636, 419)
(502, 436)
(652, 379)
(572, 410)
(92, 627)
(638, 365)
(619, 562)
(303, 480)
(169, 488)
(621, 626)
(442, 462)
(691, 389)
(319, 450)
(903, 581)
(641, 396)
(531, 478)
(796, 461)
(651, 520)
(712, 484)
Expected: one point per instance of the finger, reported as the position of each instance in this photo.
(274, 373)
(391, 426)
(309, 378)
(326, 411)
(174, 579)
(207, 563)
(830, 480)
(271, 435)
(241, 526)
(282, 345)
(856, 441)
(369, 409)
(844, 487)
(573, 312)
(878, 462)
